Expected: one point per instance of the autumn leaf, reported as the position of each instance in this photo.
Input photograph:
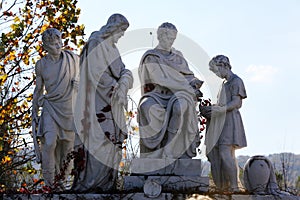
(122, 164)
(12, 55)
(6, 159)
(135, 128)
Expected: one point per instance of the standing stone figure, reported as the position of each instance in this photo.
(167, 114)
(225, 132)
(100, 108)
(55, 91)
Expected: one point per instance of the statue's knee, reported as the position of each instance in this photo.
(225, 152)
(49, 146)
(146, 104)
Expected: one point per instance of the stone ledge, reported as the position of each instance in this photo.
(141, 196)
(254, 197)
(166, 167)
(183, 184)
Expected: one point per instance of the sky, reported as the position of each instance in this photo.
(261, 39)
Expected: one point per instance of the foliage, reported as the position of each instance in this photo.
(297, 186)
(285, 166)
(21, 24)
(130, 147)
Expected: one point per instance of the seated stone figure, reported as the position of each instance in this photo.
(167, 115)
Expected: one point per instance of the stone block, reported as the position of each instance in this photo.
(168, 167)
(185, 184)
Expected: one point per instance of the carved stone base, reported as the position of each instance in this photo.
(141, 196)
(183, 184)
(165, 167)
(153, 176)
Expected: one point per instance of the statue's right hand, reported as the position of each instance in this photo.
(205, 111)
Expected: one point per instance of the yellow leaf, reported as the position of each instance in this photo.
(44, 27)
(135, 128)
(25, 104)
(122, 164)
(6, 159)
(17, 19)
(12, 55)
(13, 26)
(3, 77)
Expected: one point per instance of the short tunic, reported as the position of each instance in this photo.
(233, 132)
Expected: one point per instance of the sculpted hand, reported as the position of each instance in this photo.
(205, 111)
(120, 94)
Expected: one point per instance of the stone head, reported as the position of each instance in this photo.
(52, 41)
(219, 64)
(116, 23)
(166, 35)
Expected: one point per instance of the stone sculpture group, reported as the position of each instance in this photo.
(83, 100)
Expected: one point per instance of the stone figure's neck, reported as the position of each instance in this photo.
(164, 51)
(54, 58)
(229, 75)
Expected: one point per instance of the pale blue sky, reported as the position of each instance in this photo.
(262, 40)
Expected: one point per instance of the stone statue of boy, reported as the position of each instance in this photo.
(56, 80)
(225, 131)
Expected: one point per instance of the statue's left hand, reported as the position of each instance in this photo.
(120, 94)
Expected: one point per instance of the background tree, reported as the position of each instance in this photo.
(21, 25)
(297, 185)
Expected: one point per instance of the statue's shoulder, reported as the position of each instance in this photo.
(95, 37)
(177, 52)
(150, 56)
(38, 66)
(40, 63)
(71, 54)
(237, 80)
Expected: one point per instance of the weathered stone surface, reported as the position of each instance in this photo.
(259, 177)
(184, 184)
(141, 196)
(254, 197)
(166, 167)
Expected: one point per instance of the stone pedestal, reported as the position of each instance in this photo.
(153, 176)
(141, 196)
